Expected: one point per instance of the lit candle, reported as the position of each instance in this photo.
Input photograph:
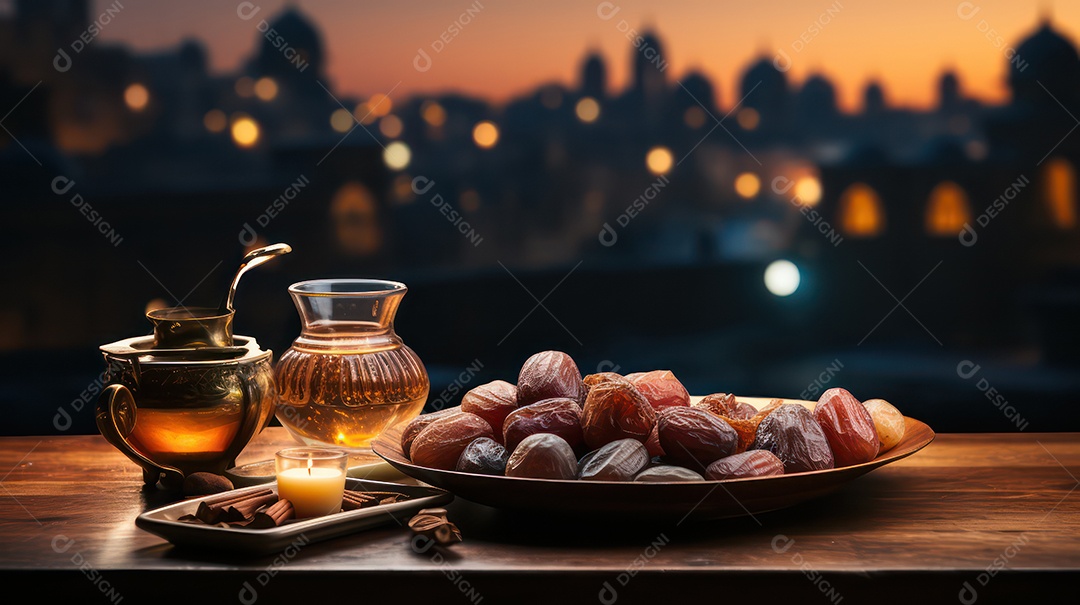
(312, 479)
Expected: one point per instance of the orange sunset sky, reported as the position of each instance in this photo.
(510, 47)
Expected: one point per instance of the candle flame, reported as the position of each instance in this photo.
(310, 463)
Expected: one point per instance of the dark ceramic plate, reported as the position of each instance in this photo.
(697, 499)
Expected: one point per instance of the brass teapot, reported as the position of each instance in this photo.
(189, 397)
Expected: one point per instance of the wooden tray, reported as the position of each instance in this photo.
(686, 500)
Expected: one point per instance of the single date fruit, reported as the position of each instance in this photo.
(547, 375)
(888, 421)
(848, 427)
(661, 388)
(693, 438)
(492, 402)
(615, 410)
(484, 456)
(653, 443)
(408, 435)
(790, 432)
(754, 463)
(726, 405)
(543, 456)
(666, 473)
(440, 444)
(559, 416)
(617, 461)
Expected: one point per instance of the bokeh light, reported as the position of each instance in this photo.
(391, 126)
(215, 120)
(659, 160)
(485, 134)
(587, 110)
(433, 113)
(808, 190)
(137, 97)
(748, 118)
(782, 277)
(341, 120)
(397, 155)
(245, 131)
(266, 89)
(747, 185)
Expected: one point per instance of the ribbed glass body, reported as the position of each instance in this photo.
(348, 377)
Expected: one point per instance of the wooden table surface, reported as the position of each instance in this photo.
(979, 517)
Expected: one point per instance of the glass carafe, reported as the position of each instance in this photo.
(348, 377)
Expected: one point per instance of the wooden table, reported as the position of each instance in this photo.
(983, 517)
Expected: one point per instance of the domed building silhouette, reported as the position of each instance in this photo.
(1045, 63)
(764, 89)
(290, 47)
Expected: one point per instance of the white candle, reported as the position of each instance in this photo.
(314, 491)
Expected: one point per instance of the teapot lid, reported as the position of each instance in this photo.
(189, 327)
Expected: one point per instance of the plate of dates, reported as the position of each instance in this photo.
(639, 445)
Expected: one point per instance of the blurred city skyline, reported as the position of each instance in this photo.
(372, 49)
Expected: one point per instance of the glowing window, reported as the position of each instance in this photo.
(1059, 183)
(947, 210)
(861, 212)
(356, 222)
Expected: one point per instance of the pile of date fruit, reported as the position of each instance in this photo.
(641, 427)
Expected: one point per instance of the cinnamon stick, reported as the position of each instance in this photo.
(216, 509)
(278, 513)
(245, 509)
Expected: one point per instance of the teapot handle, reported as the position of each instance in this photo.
(116, 404)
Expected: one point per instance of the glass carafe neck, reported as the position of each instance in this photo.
(347, 314)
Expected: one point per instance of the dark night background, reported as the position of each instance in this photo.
(964, 212)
